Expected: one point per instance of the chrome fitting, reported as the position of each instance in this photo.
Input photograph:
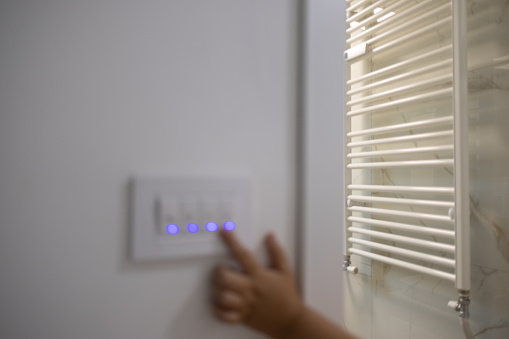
(462, 305)
(347, 265)
(346, 262)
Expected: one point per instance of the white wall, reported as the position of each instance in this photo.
(323, 170)
(92, 92)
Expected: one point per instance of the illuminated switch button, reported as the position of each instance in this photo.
(167, 213)
(229, 226)
(172, 229)
(193, 228)
(211, 226)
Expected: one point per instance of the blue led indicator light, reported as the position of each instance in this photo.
(172, 229)
(193, 228)
(229, 226)
(211, 226)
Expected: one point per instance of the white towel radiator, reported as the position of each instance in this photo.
(406, 138)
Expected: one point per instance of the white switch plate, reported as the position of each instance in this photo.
(157, 202)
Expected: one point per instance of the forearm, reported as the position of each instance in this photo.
(309, 324)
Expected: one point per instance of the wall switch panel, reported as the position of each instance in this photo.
(178, 217)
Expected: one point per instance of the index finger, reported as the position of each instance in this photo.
(239, 252)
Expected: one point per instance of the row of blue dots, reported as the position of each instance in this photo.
(194, 228)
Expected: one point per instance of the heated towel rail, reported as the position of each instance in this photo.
(406, 146)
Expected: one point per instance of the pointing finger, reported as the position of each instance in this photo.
(239, 252)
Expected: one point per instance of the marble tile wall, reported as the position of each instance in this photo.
(388, 302)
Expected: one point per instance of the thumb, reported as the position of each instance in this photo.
(277, 256)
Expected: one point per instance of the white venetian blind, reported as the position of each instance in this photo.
(407, 166)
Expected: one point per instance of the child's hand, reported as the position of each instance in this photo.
(265, 299)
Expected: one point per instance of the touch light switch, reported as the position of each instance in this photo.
(167, 213)
(175, 217)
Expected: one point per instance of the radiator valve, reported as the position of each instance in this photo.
(347, 265)
(461, 305)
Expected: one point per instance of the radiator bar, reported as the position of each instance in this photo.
(404, 264)
(404, 189)
(414, 72)
(427, 96)
(404, 227)
(399, 65)
(402, 26)
(440, 80)
(413, 35)
(392, 164)
(400, 40)
(362, 13)
(403, 127)
(404, 252)
(374, 154)
(432, 245)
(413, 202)
(397, 213)
(388, 21)
(403, 138)
(357, 5)
(461, 152)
